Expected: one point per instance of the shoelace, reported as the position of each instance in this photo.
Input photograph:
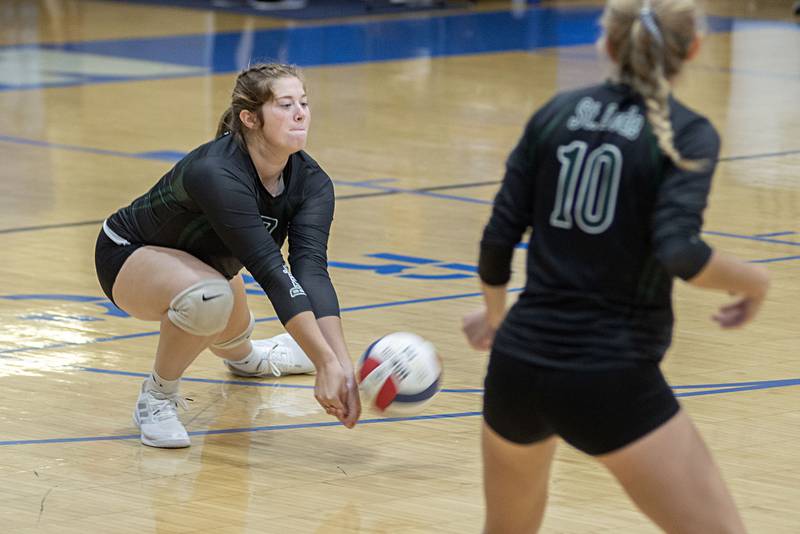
(277, 356)
(164, 408)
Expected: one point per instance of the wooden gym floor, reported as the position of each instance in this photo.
(414, 112)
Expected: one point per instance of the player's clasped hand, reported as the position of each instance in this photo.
(352, 402)
(337, 393)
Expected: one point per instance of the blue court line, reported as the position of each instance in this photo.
(768, 384)
(774, 234)
(172, 156)
(3, 352)
(757, 237)
(77, 79)
(743, 386)
(261, 320)
(711, 389)
(267, 428)
(250, 383)
(752, 238)
(761, 156)
(418, 192)
(99, 151)
(402, 258)
(774, 383)
(773, 260)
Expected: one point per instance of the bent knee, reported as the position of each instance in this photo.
(202, 309)
(222, 343)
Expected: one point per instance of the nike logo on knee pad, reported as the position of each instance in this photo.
(205, 298)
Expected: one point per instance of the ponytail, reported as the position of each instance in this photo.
(649, 44)
(647, 64)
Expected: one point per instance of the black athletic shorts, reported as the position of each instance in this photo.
(108, 260)
(594, 411)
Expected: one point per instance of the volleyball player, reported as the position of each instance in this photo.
(174, 256)
(613, 180)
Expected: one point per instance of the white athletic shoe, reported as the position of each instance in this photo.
(157, 418)
(276, 356)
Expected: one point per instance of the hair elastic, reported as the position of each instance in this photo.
(648, 18)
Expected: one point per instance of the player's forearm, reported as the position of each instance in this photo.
(728, 273)
(304, 329)
(495, 297)
(331, 327)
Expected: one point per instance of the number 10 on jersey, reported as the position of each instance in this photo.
(587, 188)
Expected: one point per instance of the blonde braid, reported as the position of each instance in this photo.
(650, 43)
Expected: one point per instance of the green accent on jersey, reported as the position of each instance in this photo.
(649, 280)
(651, 275)
(193, 231)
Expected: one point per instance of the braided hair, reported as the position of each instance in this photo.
(649, 41)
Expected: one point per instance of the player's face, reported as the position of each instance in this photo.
(287, 117)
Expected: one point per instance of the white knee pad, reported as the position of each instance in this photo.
(237, 340)
(202, 309)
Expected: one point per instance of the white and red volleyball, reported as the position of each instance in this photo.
(399, 374)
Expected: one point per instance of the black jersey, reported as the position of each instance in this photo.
(213, 205)
(613, 221)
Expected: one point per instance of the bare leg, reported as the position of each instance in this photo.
(672, 478)
(176, 350)
(145, 286)
(515, 481)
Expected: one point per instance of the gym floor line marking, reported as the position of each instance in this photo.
(753, 238)
(242, 430)
(757, 238)
(743, 386)
(261, 320)
(338, 198)
(171, 156)
(709, 389)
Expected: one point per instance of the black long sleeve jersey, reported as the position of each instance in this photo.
(613, 221)
(213, 205)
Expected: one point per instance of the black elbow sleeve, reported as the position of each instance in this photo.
(686, 258)
(494, 265)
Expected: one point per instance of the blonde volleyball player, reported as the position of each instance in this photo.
(613, 179)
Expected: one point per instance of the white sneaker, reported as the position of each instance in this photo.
(157, 418)
(277, 356)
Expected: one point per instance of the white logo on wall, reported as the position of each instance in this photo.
(296, 289)
(270, 223)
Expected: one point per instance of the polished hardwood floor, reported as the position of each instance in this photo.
(414, 113)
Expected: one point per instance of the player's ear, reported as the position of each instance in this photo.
(248, 118)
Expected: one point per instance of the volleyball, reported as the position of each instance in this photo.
(399, 374)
